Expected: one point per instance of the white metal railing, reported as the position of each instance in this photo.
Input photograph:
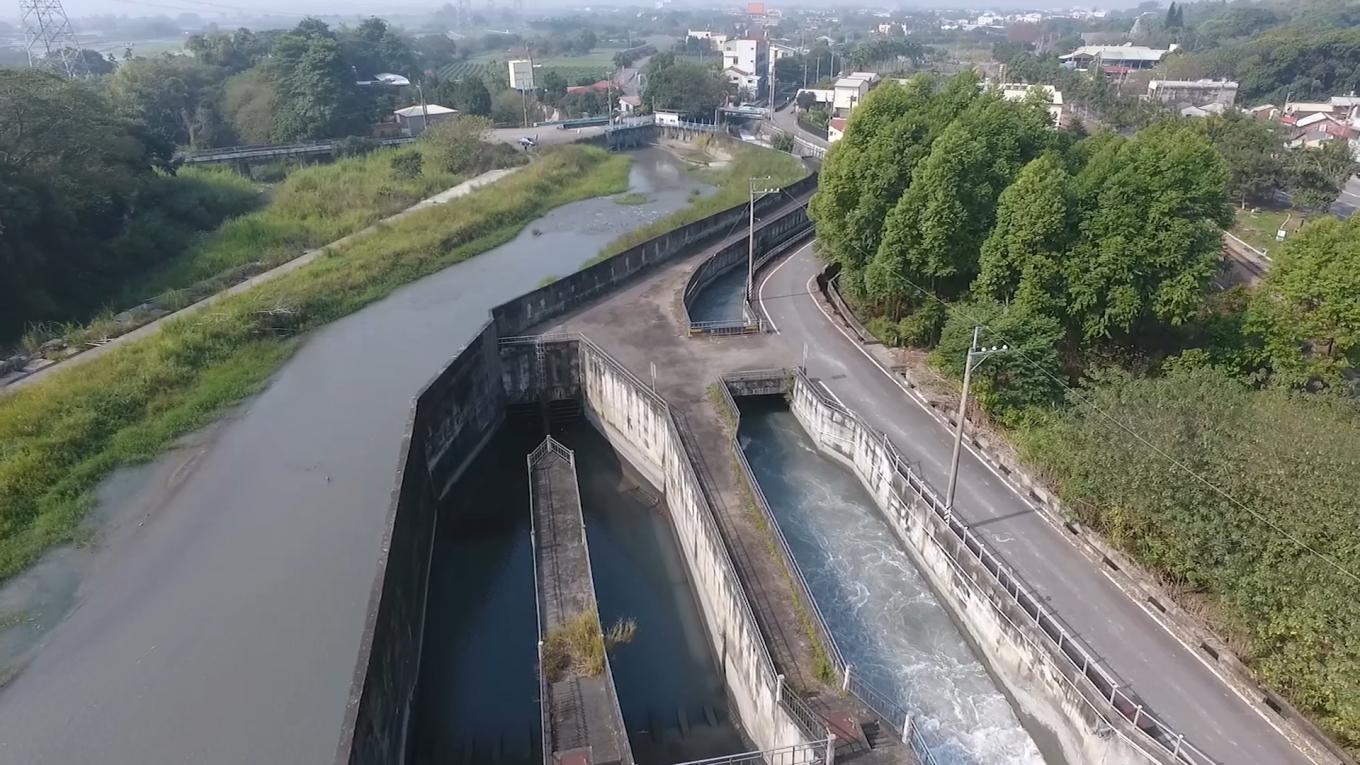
(545, 724)
(798, 754)
(1093, 679)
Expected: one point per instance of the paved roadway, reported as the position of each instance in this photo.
(787, 120)
(1171, 679)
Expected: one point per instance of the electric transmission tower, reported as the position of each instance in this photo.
(47, 31)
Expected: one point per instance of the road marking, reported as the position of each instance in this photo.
(915, 397)
(760, 292)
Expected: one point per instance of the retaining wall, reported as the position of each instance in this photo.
(1061, 693)
(640, 426)
(451, 418)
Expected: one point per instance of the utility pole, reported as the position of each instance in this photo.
(756, 187)
(976, 355)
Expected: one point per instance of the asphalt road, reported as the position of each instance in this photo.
(1172, 680)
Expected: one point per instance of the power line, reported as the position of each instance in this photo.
(1083, 399)
(47, 31)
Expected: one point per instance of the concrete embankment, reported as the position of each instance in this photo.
(1043, 667)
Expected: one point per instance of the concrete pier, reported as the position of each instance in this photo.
(582, 724)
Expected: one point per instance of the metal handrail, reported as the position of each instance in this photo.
(545, 724)
(1023, 595)
(798, 754)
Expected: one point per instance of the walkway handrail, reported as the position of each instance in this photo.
(1080, 657)
(798, 754)
(545, 724)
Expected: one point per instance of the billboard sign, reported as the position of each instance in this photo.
(521, 74)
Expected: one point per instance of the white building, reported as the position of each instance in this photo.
(849, 91)
(744, 60)
(1019, 91)
(666, 117)
(412, 119)
(835, 129)
(820, 96)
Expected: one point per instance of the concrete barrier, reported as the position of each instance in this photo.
(1055, 677)
(451, 419)
(773, 237)
(641, 427)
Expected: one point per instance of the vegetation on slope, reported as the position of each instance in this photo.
(60, 436)
(1093, 259)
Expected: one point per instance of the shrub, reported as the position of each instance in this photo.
(407, 164)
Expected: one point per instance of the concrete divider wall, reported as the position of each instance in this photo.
(528, 372)
(516, 316)
(1048, 686)
(451, 419)
(639, 425)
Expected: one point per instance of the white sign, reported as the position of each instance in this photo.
(521, 74)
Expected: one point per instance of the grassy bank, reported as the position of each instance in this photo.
(312, 207)
(58, 438)
(726, 165)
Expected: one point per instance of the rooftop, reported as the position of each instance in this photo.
(418, 110)
(1117, 53)
(1202, 83)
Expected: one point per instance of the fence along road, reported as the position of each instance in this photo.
(1171, 679)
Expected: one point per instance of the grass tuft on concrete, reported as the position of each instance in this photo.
(59, 437)
(577, 648)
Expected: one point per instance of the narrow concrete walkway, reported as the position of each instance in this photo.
(582, 712)
(153, 327)
(644, 324)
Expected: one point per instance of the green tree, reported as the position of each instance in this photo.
(1009, 385)
(1151, 242)
(1254, 152)
(1308, 307)
(692, 89)
(232, 51)
(176, 97)
(317, 94)
(1022, 260)
(1317, 175)
(249, 103)
(870, 168)
(373, 48)
(470, 96)
(933, 237)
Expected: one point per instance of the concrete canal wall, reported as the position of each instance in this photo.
(1022, 642)
(640, 427)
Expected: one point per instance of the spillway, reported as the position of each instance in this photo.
(880, 609)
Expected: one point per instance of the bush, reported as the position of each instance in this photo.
(407, 164)
(459, 145)
(1007, 385)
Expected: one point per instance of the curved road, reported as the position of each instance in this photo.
(1171, 679)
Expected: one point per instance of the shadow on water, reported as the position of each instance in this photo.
(670, 690)
(478, 695)
(879, 607)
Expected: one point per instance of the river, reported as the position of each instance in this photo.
(218, 613)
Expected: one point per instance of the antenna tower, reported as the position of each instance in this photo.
(47, 31)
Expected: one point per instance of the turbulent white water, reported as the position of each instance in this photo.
(883, 615)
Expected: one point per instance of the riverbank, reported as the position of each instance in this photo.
(59, 437)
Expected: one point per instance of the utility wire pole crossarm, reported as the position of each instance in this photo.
(757, 186)
(976, 355)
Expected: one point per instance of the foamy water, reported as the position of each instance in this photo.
(885, 619)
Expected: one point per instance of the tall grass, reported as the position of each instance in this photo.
(314, 206)
(730, 176)
(576, 648)
(58, 438)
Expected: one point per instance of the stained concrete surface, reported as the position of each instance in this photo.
(226, 628)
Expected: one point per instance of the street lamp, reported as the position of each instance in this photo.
(976, 355)
(756, 187)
